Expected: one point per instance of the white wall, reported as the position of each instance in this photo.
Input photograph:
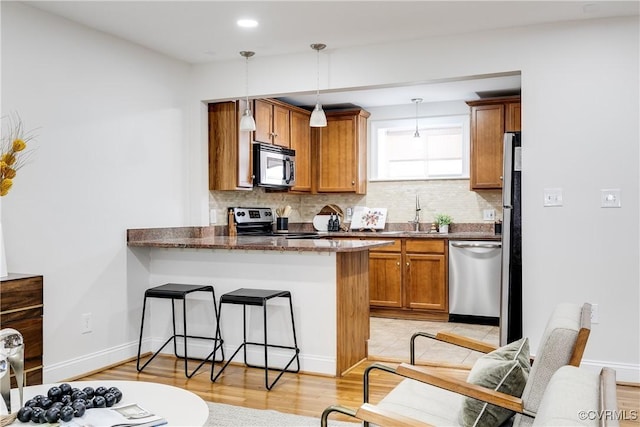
(120, 148)
(580, 110)
(112, 155)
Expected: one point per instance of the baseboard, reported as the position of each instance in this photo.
(97, 361)
(625, 372)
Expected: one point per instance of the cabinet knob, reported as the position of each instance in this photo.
(353, 183)
(408, 264)
(398, 263)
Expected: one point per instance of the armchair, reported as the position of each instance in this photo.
(427, 397)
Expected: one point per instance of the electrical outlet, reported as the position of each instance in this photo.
(489, 214)
(86, 323)
(595, 318)
(610, 198)
(212, 216)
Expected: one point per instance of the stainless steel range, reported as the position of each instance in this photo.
(259, 222)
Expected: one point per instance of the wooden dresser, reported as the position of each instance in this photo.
(21, 308)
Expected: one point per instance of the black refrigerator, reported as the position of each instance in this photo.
(511, 280)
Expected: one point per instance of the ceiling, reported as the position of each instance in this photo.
(200, 32)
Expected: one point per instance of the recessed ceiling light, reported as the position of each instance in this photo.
(247, 23)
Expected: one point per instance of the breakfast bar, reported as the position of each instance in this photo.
(328, 280)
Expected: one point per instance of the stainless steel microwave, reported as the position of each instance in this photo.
(273, 166)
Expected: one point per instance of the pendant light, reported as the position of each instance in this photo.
(318, 118)
(246, 122)
(416, 101)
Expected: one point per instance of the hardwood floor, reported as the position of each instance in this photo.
(301, 394)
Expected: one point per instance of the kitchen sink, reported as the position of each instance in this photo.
(390, 233)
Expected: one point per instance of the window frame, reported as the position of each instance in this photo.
(464, 120)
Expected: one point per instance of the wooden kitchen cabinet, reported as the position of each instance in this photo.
(490, 119)
(426, 279)
(230, 157)
(340, 164)
(385, 276)
(409, 279)
(21, 308)
(272, 122)
(300, 134)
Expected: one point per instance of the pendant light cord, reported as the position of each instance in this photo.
(246, 82)
(317, 76)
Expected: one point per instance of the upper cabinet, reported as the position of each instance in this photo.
(340, 153)
(230, 164)
(336, 162)
(301, 142)
(490, 119)
(272, 122)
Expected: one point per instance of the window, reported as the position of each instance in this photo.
(440, 152)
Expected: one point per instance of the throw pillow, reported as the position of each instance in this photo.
(506, 370)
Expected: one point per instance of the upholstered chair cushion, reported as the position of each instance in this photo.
(506, 370)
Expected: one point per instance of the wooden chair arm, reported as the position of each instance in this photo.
(429, 376)
(383, 417)
(465, 342)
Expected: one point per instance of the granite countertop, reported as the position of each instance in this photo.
(206, 238)
(461, 235)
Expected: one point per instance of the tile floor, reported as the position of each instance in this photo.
(390, 340)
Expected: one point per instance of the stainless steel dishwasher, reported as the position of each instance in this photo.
(474, 281)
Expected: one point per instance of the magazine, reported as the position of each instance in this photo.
(130, 415)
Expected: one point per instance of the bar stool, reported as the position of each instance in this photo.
(259, 297)
(174, 291)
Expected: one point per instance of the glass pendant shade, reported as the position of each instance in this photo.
(247, 123)
(318, 118)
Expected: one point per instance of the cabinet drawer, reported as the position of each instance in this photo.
(16, 294)
(425, 246)
(396, 247)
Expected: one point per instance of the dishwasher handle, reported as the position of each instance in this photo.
(477, 245)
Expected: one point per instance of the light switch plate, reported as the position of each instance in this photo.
(610, 198)
(552, 197)
(212, 216)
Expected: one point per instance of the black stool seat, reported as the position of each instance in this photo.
(259, 297)
(176, 291)
(252, 296)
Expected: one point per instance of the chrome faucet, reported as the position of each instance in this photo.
(416, 220)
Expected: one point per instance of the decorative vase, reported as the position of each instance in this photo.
(444, 229)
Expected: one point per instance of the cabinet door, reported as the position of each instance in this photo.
(301, 143)
(281, 132)
(385, 279)
(337, 155)
(263, 115)
(487, 132)
(512, 119)
(230, 164)
(426, 282)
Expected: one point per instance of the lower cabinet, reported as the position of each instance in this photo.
(21, 308)
(409, 279)
(385, 276)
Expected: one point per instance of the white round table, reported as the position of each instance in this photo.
(178, 406)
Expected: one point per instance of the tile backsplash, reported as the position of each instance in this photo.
(452, 197)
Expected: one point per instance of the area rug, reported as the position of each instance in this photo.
(222, 415)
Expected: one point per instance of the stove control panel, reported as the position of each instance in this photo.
(253, 215)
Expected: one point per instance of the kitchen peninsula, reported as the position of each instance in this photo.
(328, 280)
